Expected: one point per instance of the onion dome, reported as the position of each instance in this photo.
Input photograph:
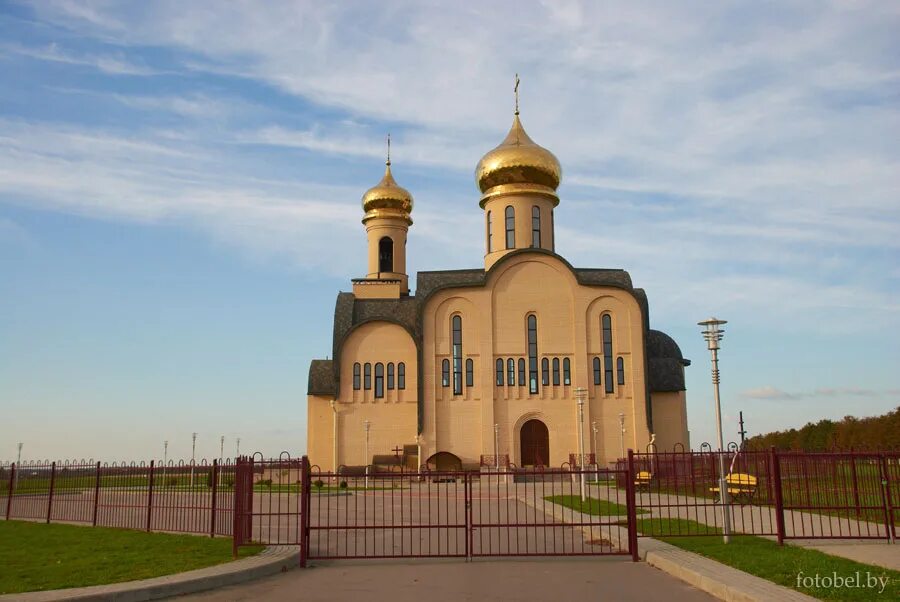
(387, 199)
(518, 165)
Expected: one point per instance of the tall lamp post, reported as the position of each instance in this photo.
(580, 394)
(622, 432)
(165, 458)
(367, 425)
(237, 448)
(496, 447)
(18, 465)
(713, 334)
(596, 461)
(221, 448)
(193, 456)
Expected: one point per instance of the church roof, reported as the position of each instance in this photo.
(321, 378)
(665, 363)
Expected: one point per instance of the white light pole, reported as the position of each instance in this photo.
(596, 460)
(193, 456)
(496, 447)
(165, 459)
(580, 394)
(237, 448)
(622, 432)
(18, 464)
(367, 425)
(221, 448)
(334, 434)
(713, 334)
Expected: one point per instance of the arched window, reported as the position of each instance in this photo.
(356, 370)
(401, 375)
(390, 376)
(490, 233)
(545, 372)
(499, 372)
(536, 227)
(386, 254)
(456, 327)
(620, 370)
(510, 228)
(470, 373)
(367, 376)
(522, 372)
(379, 380)
(532, 355)
(567, 372)
(445, 373)
(606, 322)
(556, 372)
(511, 372)
(597, 370)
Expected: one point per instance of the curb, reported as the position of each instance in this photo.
(270, 561)
(716, 579)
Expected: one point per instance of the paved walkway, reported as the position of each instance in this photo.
(455, 581)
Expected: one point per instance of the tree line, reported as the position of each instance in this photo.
(874, 433)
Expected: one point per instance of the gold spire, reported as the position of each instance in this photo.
(518, 164)
(387, 198)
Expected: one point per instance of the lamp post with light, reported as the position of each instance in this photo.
(367, 425)
(713, 334)
(594, 430)
(193, 456)
(622, 432)
(580, 394)
(496, 447)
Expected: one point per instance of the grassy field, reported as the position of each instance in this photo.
(591, 506)
(41, 557)
(779, 564)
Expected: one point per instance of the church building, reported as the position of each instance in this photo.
(492, 359)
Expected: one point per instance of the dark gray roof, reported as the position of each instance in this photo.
(321, 378)
(665, 363)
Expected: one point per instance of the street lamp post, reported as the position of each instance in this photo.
(622, 432)
(221, 448)
(193, 456)
(18, 465)
(580, 394)
(497, 447)
(367, 425)
(594, 429)
(165, 459)
(237, 448)
(713, 334)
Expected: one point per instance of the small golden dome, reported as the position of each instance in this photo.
(518, 164)
(387, 199)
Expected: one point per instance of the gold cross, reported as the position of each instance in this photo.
(516, 91)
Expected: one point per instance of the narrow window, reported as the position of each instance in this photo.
(445, 373)
(536, 227)
(545, 372)
(510, 228)
(607, 352)
(367, 376)
(532, 355)
(620, 369)
(470, 373)
(521, 371)
(379, 380)
(511, 372)
(456, 327)
(386, 254)
(401, 375)
(391, 376)
(556, 372)
(597, 370)
(356, 369)
(499, 372)
(567, 372)
(490, 233)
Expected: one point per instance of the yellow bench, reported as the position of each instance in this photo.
(642, 479)
(741, 487)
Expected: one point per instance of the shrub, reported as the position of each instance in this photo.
(343, 485)
(318, 483)
(266, 482)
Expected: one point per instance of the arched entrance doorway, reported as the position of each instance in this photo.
(534, 443)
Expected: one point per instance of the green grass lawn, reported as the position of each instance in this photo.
(779, 564)
(36, 556)
(591, 506)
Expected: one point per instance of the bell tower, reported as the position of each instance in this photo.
(387, 220)
(518, 181)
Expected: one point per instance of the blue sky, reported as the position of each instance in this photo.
(171, 172)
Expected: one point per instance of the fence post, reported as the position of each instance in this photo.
(150, 496)
(631, 508)
(12, 488)
(778, 493)
(855, 481)
(886, 500)
(305, 494)
(237, 506)
(215, 489)
(96, 495)
(52, 484)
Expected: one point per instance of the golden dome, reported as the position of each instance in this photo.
(387, 199)
(518, 164)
